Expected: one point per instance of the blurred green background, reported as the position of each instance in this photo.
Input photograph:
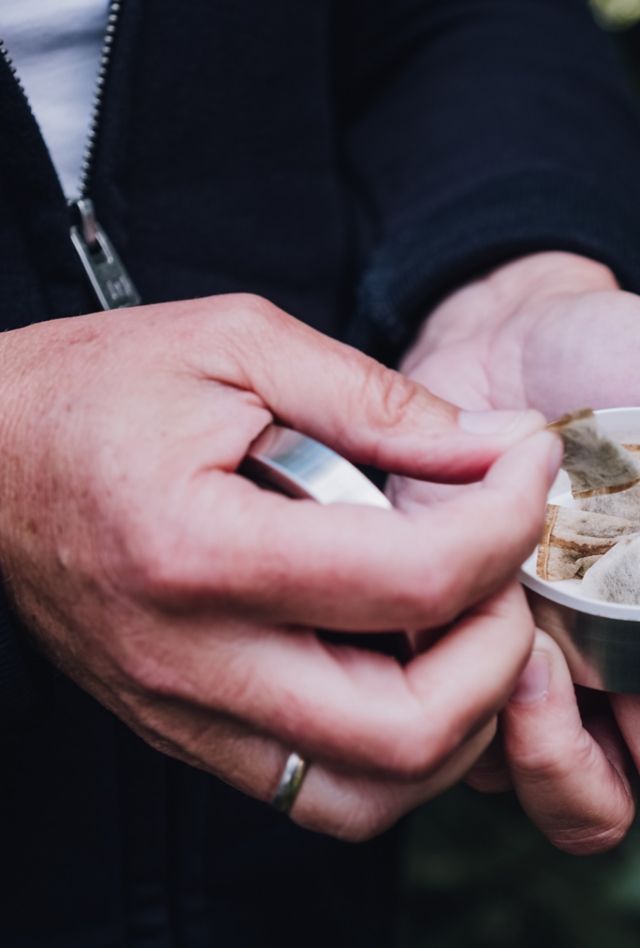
(476, 874)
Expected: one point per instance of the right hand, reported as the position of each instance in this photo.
(184, 598)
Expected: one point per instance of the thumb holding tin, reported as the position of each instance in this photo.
(570, 770)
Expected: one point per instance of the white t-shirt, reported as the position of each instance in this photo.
(55, 46)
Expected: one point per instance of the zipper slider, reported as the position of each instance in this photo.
(107, 274)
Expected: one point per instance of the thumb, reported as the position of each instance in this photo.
(570, 776)
(370, 413)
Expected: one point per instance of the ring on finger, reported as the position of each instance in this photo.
(290, 783)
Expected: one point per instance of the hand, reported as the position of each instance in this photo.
(185, 598)
(552, 332)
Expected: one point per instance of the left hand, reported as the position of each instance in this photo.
(552, 332)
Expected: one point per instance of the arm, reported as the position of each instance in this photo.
(496, 130)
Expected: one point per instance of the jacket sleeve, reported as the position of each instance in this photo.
(478, 131)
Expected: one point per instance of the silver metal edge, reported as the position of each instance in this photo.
(301, 467)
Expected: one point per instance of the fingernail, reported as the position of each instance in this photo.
(518, 423)
(533, 684)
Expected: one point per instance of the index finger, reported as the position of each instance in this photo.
(353, 568)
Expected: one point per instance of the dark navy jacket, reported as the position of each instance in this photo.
(351, 160)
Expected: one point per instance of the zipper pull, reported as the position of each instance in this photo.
(107, 274)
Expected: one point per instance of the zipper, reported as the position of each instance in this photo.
(105, 271)
(4, 52)
(111, 29)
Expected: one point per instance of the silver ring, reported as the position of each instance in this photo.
(290, 783)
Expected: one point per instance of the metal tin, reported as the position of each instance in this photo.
(601, 640)
(295, 465)
(290, 462)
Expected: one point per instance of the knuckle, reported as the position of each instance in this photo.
(158, 741)
(145, 669)
(428, 596)
(441, 591)
(577, 827)
(539, 766)
(592, 840)
(255, 330)
(163, 562)
(549, 760)
(387, 395)
(432, 598)
(224, 327)
(418, 750)
(250, 308)
(155, 572)
(161, 732)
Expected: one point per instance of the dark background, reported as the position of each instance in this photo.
(476, 874)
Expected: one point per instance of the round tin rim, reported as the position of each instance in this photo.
(611, 418)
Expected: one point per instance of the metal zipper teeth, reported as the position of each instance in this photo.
(4, 52)
(113, 17)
